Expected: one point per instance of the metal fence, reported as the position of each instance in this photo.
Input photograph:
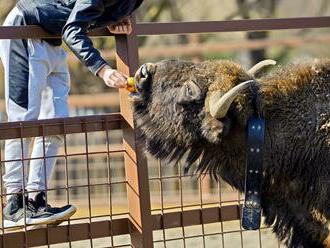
(141, 206)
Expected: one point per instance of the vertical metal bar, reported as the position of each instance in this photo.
(160, 173)
(220, 214)
(259, 235)
(67, 177)
(181, 205)
(201, 178)
(88, 186)
(23, 182)
(109, 181)
(2, 205)
(45, 179)
(136, 169)
(240, 221)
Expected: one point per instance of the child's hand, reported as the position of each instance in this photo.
(113, 78)
(123, 27)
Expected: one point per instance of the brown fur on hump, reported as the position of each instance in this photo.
(295, 103)
(310, 80)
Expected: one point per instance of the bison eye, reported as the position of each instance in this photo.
(189, 92)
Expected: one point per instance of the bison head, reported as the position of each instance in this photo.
(182, 106)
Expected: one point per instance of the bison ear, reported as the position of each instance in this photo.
(189, 92)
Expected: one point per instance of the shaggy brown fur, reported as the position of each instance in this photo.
(172, 112)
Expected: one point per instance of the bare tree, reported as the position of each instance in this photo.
(261, 9)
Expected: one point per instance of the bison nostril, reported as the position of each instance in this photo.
(143, 78)
(144, 71)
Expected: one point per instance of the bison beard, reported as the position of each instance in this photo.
(173, 111)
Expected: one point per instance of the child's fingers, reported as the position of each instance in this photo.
(129, 30)
(112, 28)
(117, 30)
(122, 28)
(125, 76)
(125, 29)
(121, 78)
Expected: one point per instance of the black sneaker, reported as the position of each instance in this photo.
(13, 212)
(36, 212)
(51, 215)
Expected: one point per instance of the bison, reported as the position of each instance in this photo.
(202, 109)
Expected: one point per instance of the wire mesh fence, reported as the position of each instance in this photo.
(205, 201)
(90, 174)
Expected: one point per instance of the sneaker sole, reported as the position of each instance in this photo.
(55, 219)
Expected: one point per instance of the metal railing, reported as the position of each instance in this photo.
(141, 218)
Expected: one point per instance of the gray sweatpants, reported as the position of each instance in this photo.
(37, 84)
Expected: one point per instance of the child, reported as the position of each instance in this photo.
(37, 86)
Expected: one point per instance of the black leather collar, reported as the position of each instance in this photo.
(251, 218)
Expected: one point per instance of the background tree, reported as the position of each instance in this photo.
(186, 10)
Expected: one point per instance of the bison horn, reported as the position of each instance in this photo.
(219, 104)
(261, 65)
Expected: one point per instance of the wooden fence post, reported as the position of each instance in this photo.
(135, 162)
